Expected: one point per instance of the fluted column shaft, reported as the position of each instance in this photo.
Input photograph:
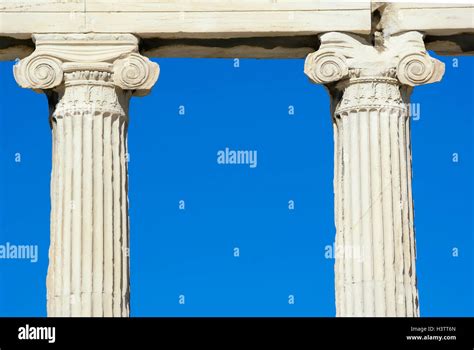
(89, 80)
(88, 271)
(375, 241)
(375, 273)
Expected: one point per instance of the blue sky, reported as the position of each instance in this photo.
(173, 157)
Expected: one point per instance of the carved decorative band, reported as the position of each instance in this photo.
(369, 93)
(369, 80)
(402, 108)
(86, 77)
(89, 75)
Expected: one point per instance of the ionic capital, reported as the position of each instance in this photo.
(112, 56)
(343, 56)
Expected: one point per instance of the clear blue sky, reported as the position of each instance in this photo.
(173, 158)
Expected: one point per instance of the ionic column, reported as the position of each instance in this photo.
(375, 240)
(89, 80)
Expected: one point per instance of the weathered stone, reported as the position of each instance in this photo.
(89, 80)
(370, 88)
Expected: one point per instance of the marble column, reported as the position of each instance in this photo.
(88, 79)
(370, 86)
